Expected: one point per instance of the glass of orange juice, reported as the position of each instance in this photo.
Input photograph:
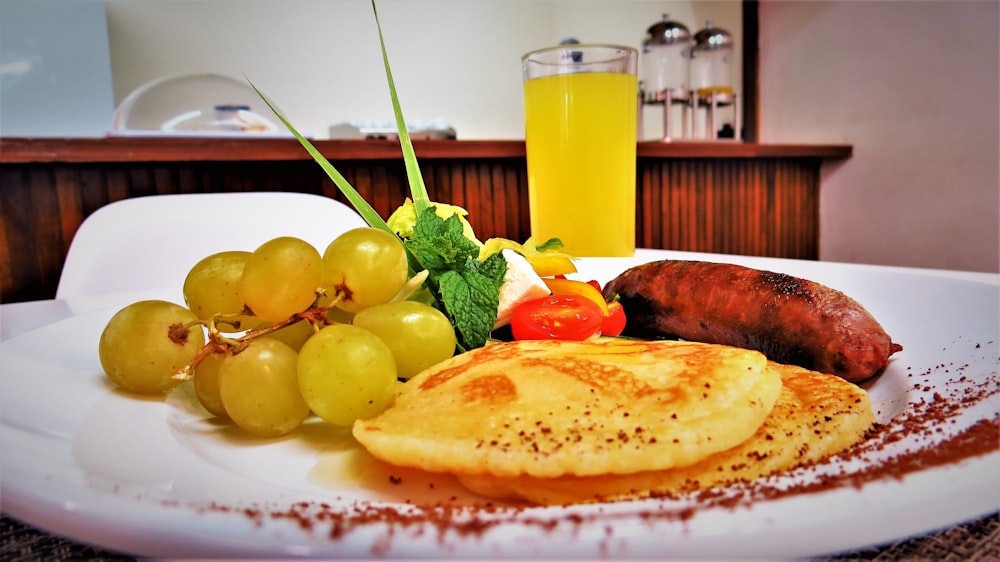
(580, 113)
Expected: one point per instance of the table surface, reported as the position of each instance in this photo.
(977, 539)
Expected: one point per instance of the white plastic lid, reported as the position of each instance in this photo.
(195, 105)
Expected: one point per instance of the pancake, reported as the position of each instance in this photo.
(816, 416)
(550, 409)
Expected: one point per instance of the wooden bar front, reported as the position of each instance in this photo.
(735, 198)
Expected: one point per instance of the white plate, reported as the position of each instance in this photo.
(158, 478)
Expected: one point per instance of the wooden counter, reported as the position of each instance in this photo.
(157, 149)
(722, 197)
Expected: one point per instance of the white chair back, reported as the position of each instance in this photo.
(152, 242)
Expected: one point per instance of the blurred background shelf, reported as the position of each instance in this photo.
(725, 197)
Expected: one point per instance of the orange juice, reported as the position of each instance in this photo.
(580, 132)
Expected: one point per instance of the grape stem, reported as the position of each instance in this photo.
(223, 342)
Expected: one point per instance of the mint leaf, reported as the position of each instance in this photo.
(438, 244)
(493, 267)
(468, 289)
(470, 299)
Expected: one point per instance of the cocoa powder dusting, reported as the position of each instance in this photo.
(923, 436)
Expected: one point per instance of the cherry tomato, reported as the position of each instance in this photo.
(573, 287)
(614, 322)
(557, 317)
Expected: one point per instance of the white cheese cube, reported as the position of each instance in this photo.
(520, 284)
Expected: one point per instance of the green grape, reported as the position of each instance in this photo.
(334, 315)
(260, 390)
(365, 266)
(206, 384)
(281, 277)
(213, 287)
(418, 334)
(145, 344)
(294, 335)
(338, 316)
(346, 373)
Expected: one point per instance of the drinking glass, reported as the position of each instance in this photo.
(580, 113)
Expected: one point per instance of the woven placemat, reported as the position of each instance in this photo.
(975, 540)
(23, 543)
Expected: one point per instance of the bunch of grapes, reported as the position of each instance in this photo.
(272, 336)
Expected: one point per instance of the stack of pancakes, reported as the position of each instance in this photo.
(567, 422)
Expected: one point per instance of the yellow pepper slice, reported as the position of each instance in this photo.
(581, 288)
(545, 264)
(549, 266)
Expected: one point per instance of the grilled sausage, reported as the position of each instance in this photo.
(791, 320)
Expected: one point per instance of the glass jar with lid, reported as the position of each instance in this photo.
(713, 65)
(665, 62)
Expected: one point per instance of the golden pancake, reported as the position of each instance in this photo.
(549, 408)
(816, 416)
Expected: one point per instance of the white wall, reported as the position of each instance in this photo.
(913, 86)
(319, 60)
